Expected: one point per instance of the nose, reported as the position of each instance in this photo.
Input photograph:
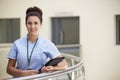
(32, 26)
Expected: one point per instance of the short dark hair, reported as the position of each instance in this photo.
(34, 11)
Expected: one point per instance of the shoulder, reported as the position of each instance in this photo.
(45, 43)
(21, 40)
(44, 40)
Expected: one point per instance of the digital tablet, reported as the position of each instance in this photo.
(53, 62)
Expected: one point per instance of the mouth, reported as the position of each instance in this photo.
(32, 30)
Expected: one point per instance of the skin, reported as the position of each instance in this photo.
(33, 26)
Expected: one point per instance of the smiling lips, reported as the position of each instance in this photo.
(32, 30)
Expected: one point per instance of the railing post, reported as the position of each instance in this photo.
(73, 74)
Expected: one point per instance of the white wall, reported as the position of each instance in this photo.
(3, 63)
(99, 51)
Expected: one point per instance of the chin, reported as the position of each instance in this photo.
(33, 34)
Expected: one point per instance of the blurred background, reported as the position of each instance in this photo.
(89, 29)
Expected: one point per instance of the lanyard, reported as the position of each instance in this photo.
(29, 57)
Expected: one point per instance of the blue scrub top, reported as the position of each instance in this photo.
(43, 50)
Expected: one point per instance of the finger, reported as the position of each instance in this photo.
(43, 69)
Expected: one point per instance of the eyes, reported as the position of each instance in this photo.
(32, 23)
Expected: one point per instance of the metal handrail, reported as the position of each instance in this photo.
(55, 73)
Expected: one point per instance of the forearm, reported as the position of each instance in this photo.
(61, 66)
(19, 73)
(14, 72)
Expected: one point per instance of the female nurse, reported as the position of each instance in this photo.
(30, 53)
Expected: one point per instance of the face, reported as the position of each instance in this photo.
(33, 25)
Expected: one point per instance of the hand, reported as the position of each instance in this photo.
(28, 72)
(47, 69)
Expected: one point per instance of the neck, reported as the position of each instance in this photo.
(32, 38)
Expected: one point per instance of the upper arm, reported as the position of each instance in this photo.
(11, 63)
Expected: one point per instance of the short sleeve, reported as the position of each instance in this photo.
(52, 51)
(12, 54)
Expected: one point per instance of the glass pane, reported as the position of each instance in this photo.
(70, 30)
(65, 30)
(9, 30)
(117, 29)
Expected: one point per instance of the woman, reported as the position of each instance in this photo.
(31, 52)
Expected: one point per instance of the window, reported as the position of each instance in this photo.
(65, 30)
(9, 30)
(65, 34)
(117, 29)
